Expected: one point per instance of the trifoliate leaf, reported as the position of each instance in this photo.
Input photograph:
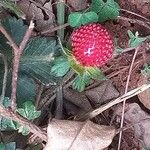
(77, 19)
(29, 111)
(61, 66)
(105, 10)
(135, 40)
(95, 73)
(8, 4)
(81, 81)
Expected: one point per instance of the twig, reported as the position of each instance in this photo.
(59, 102)
(142, 23)
(4, 78)
(55, 28)
(7, 113)
(120, 99)
(126, 90)
(133, 13)
(16, 60)
(11, 42)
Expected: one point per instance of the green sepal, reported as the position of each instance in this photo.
(61, 66)
(95, 73)
(79, 69)
(81, 81)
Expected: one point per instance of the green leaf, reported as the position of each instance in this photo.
(7, 124)
(95, 73)
(7, 102)
(135, 40)
(16, 29)
(23, 130)
(29, 111)
(8, 4)
(10, 146)
(4, 122)
(37, 59)
(61, 66)
(105, 10)
(26, 89)
(146, 69)
(77, 19)
(81, 81)
(2, 146)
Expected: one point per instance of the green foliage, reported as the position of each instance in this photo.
(26, 89)
(77, 19)
(36, 61)
(8, 4)
(16, 29)
(29, 111)
(61, 66)
(81, 81)
(95, 73)
(135, 40)
(75, 66)
(8, 146)
(4, 122)
(105, 10)
(2, 146)
(146, 70)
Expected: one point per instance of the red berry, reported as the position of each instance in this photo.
(92, 45)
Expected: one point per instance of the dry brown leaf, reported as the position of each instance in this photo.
(78, 4)
(102, 93)
(144, 97)
(73, 135)
(42, 14)
(140, 120)
(77, 98)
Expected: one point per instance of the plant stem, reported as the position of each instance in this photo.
(4, 78)
(60, 17)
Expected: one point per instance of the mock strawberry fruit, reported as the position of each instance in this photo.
(92, 45)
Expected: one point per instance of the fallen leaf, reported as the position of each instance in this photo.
(140, 120)
(78, 4)
(41, 12)
(144, 97)
(73, 135)
(77, 98)
(102, 93)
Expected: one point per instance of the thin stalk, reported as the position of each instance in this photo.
(60, 18)
(4, 78)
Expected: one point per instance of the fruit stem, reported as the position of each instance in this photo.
(60, 18)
